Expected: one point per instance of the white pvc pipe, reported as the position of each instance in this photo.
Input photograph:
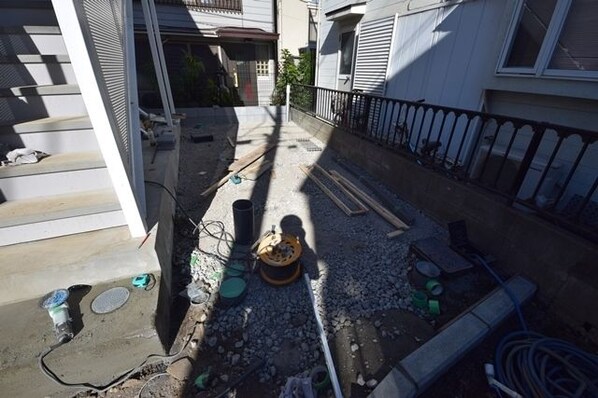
(327, 355)
(288, 103)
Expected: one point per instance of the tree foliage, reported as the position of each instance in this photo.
(292, 73)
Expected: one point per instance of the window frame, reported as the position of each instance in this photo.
(541, 67)
(353, 54)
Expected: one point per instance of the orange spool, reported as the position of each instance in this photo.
(279, 258)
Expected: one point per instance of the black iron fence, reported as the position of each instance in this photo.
(206, 5)
(547, 169)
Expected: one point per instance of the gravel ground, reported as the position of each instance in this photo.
(360, 277)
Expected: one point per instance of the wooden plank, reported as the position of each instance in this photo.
(239, 165)
(394, 234)
(377, 207)
(361, 207)
(327, 191)
(256, 170)
(251, 157)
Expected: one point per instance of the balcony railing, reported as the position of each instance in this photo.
(206, 5)
(543, 168)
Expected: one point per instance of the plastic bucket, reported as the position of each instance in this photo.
(243, 218)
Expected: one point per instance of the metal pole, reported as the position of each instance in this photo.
(157, 65)
(161, 57)
(329, 362)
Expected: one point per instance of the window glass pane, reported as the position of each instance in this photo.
(577, 47)
(346, 64)
(527, 41)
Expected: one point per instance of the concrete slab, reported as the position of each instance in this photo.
(105, 346)
(496, 307)
(445, 349)
(395, 384)
(32, 269)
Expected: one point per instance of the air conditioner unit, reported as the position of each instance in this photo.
(509, 172)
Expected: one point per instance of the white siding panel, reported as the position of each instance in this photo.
(256, 14)
(373, 51)
(328, 56)
(447, 54)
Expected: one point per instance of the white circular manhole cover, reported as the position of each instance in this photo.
(110, 300)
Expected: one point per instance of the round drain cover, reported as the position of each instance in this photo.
(110, 300)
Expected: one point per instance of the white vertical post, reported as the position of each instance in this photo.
(161, 57)
(156, 58)
(136, 155)
(288, 103)
(72, 34)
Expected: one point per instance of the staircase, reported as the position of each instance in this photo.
(44, 206)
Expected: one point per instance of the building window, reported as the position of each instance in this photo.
(263, 68)
(346, 53)
(553, 38)
(262, 64)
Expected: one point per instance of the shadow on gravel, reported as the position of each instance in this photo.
(209, 356)
(201, 164)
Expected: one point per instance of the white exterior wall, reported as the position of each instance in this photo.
(446, 54)
(293, 25)
(327, 62)
(256, 14)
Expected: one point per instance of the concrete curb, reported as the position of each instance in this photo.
(422, 367)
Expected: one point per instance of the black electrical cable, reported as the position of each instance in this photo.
(124, 376)
(202, 227)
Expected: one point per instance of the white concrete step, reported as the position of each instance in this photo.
(55, 175)
(35, 69)
(36, 39)
(51, 216)
(34, 102)
(30, 270)
(52, 135)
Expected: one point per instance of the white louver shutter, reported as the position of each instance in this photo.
(373, 51)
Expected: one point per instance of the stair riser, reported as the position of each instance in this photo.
(23, 43)
(61, 227)
(54, 142)
(36, 106)
(33, 186)
(24, 16)
(13, 75)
